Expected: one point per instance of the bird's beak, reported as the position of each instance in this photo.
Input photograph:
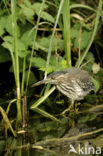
(44, 82)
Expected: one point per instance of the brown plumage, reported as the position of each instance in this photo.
(73, 82)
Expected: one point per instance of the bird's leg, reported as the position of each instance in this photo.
(76, 107)
(71, 105)
(69, 108)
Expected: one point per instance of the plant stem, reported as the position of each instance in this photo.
(14, 29)
(22, 83)
(93, 34)
(51, 41)
(66, 30)
(38, 102)
(35, 35)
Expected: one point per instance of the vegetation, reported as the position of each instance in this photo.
(37, 38)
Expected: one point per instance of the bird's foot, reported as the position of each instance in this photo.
(69, 109)
(78, 104)
(76, 107)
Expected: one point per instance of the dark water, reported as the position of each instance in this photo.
(44, 137)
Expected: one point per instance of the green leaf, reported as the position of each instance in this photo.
(4, 55)
(74, 30)
(74, 33)
(41, 64)
(90, 57)
(92, 117)
(27, 3)
(8, 39)
(27, 37)
(2, 25)
(44, 15)
(86, 118)
(38, 62)
(97, 84)
(8, 44)
(8, 25)
(61, 64)
(28, 12)
(1, 31)
(22, 52)
(32, 78)
(36, 7)
(85, 36)
(55, 63)
(44, 43)
(88, 61)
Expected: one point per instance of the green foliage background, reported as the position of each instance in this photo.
(77, 41)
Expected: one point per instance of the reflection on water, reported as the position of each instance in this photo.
(80, 130)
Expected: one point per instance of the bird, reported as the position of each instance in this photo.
(73, 82)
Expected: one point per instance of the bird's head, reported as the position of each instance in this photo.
(51, 79)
